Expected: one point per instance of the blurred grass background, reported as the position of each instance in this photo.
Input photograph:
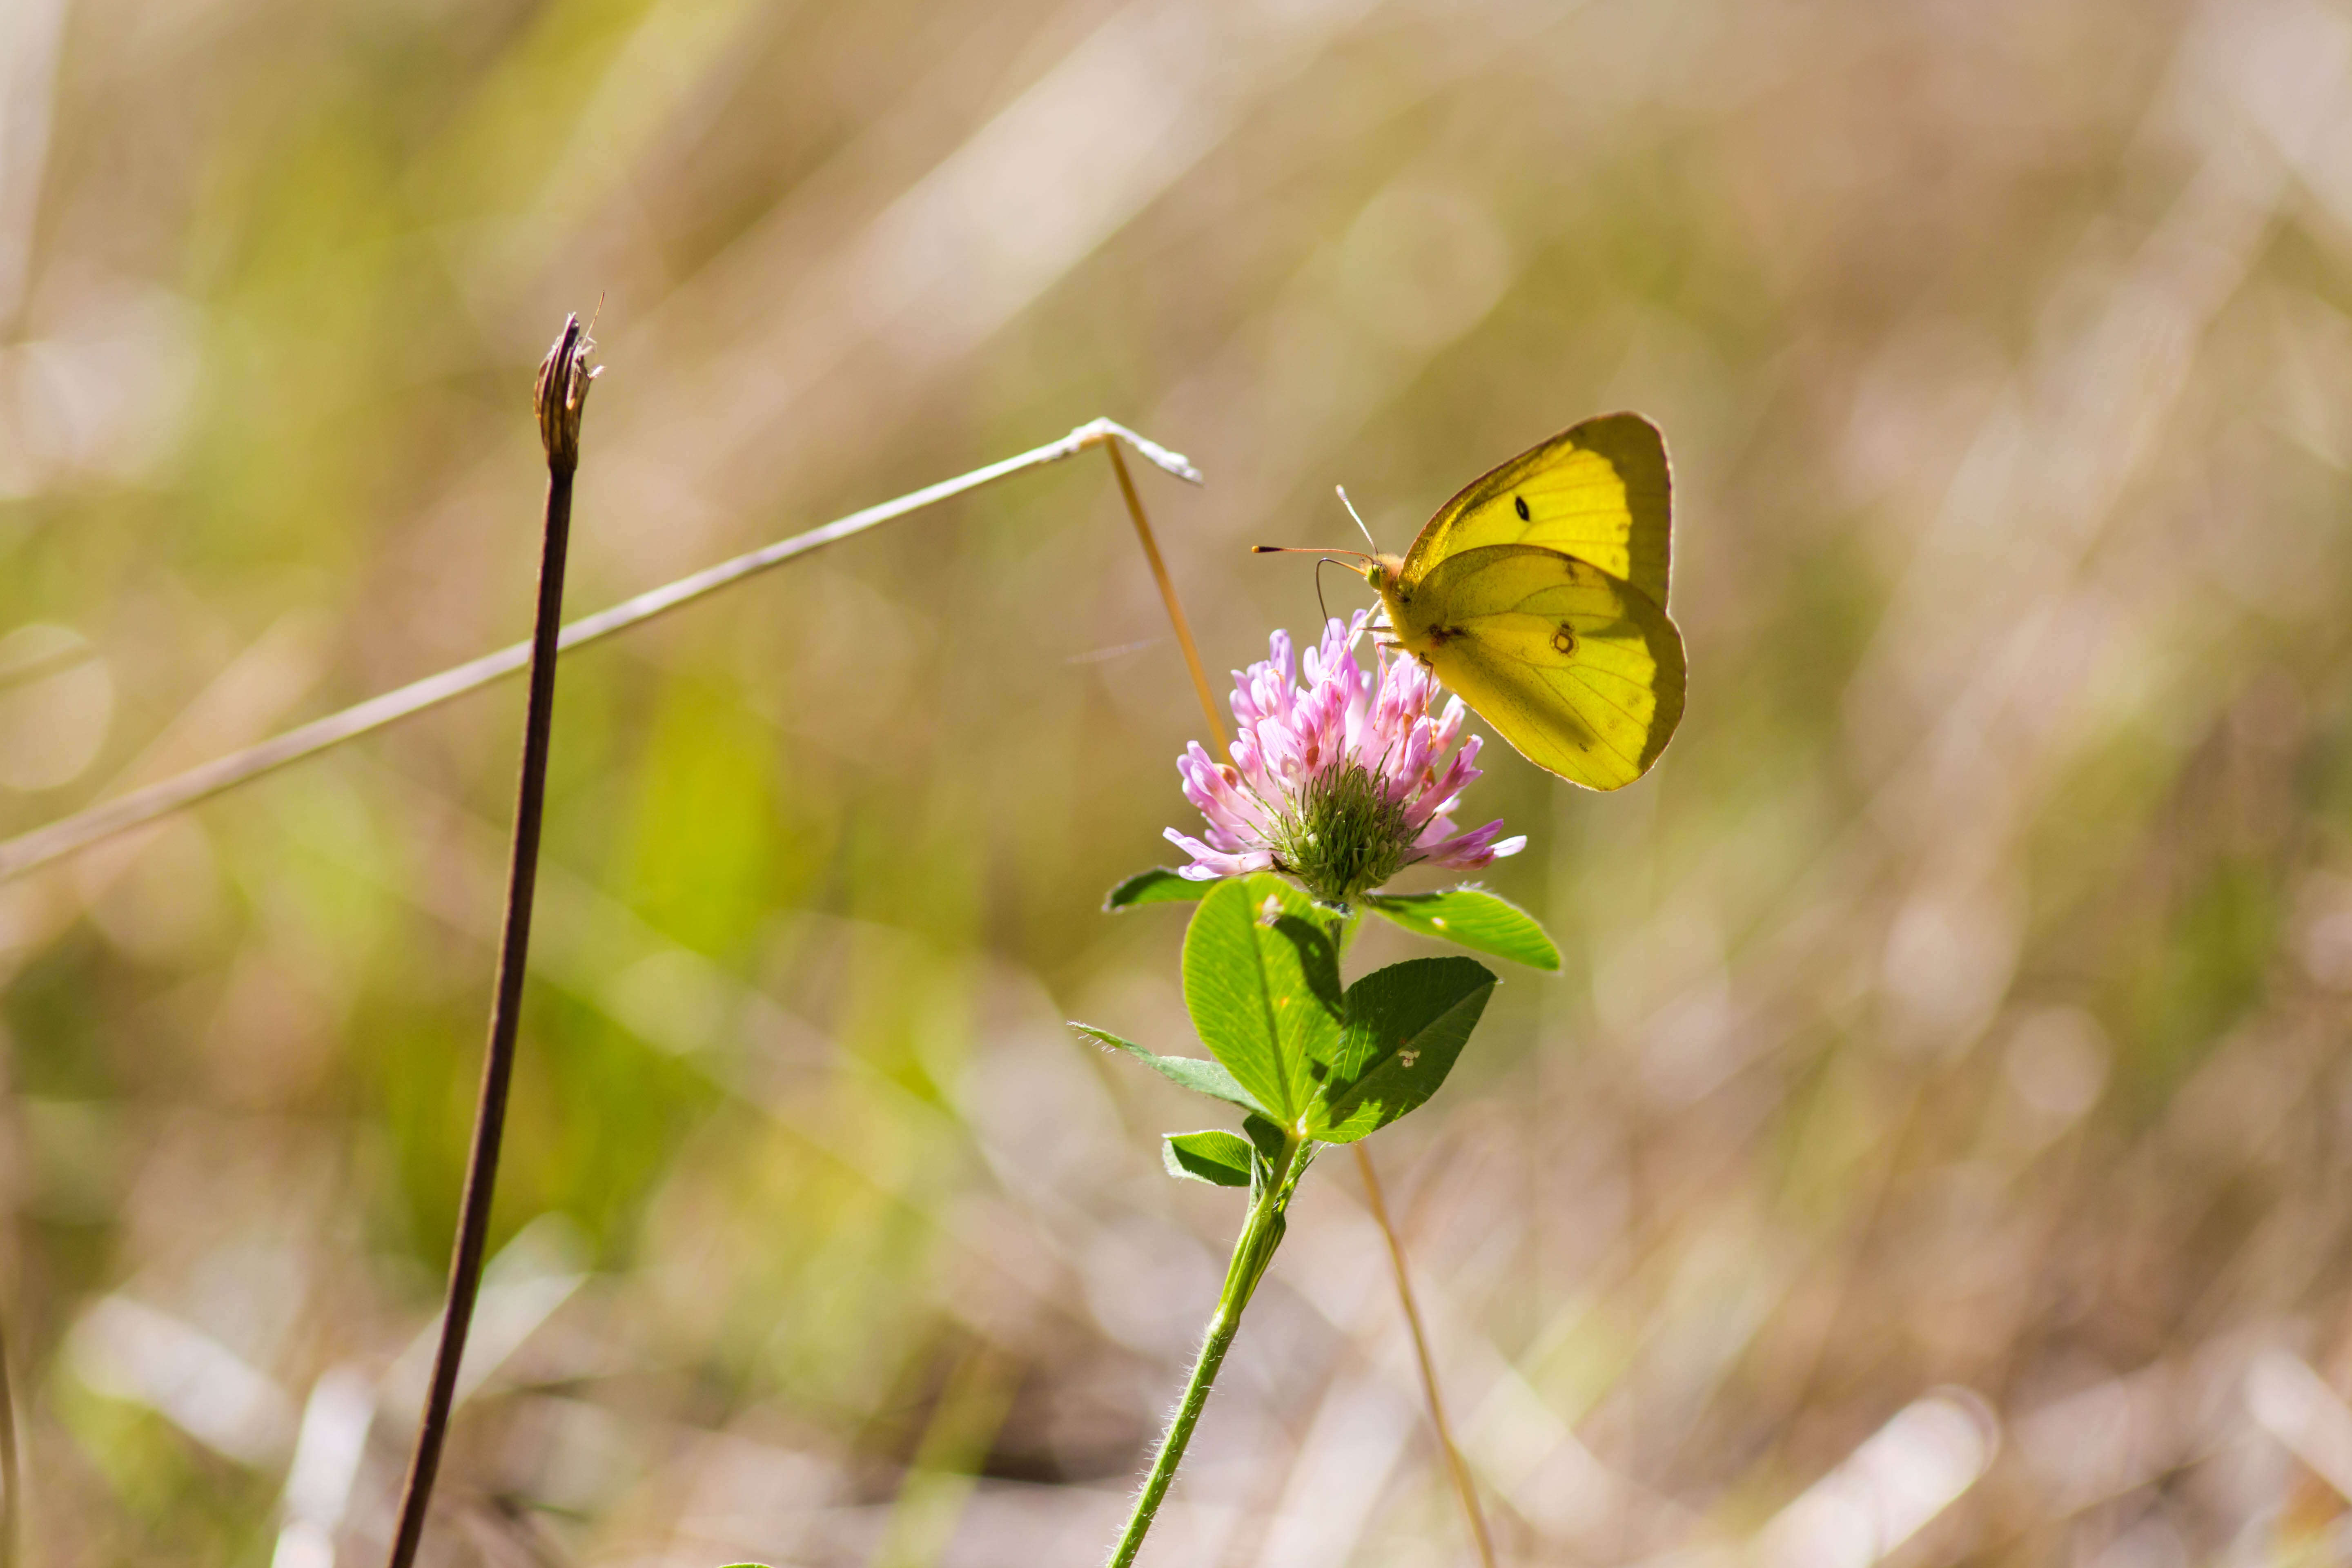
(1938, 1146)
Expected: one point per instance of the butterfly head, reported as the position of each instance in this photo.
(1386, 575)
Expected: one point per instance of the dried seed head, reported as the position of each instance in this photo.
(562, 389)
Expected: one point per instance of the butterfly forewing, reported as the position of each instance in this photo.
(1600, 491)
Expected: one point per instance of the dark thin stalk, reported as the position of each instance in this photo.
(562, 387)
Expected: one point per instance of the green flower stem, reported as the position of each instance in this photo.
(1253, 1250)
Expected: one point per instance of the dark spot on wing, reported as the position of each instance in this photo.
(1521, 503)
(1563, 641)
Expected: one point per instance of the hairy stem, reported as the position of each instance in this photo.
(1253, 1249)
(566, 369)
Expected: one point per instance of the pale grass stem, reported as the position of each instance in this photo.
(12, 1471)
(1168, 594)
(1463, 1486)
(29, 851)
(1456, 1466)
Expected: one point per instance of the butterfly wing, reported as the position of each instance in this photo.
(1578, 669)
(1600, 491)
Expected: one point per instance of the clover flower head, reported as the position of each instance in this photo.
(1340, 782)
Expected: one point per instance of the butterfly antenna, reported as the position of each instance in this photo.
(1357, 515)
(1327, 561)
(1305, 549)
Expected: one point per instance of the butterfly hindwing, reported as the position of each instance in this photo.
(1601, 491)
(1575, 666)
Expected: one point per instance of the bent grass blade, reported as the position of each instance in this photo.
(40, 847)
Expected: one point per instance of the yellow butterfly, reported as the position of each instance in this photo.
(1539, 595)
